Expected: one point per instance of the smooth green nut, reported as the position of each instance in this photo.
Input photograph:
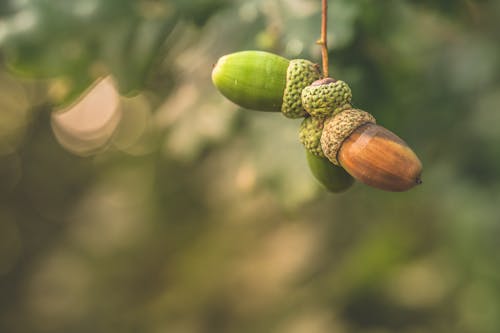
(310, 135)
(252, 79)
(333, 178)
(264, 81)
(326, 97)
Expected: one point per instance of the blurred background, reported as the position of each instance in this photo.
(135, 198)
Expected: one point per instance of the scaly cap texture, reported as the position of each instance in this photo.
(310, 135)
(337, 128)
(326, 97)
(300, 74)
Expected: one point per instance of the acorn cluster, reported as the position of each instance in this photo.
(342, 143)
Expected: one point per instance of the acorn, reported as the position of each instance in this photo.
(326, 97)
(369, 152)
(333, 178)
(265, 81)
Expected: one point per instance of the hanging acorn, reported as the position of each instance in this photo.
(264, 81)
(334, 134)
(369, 152)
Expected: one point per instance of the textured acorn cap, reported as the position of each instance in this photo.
(326, 97)
(337, 128)
(310, 135)
(300, 74)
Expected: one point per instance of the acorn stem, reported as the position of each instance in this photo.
(323, 40)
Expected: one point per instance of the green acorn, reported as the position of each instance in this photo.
(332, 177)
(326, 97)
(310, 135)
(264, 81)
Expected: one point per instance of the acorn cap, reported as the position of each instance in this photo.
(337, 128)
(333, 178)
(326, 97)
(300, 74)
(310, 135)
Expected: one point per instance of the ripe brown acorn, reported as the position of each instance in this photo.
(379, 158)
(369, 152)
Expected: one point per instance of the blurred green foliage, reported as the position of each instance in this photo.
(190, 215)
(81, 40)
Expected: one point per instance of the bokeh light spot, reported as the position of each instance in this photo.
(87, 126)
(135, 136)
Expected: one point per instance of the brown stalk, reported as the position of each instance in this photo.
(322, 41)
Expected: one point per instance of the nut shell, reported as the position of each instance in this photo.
(255, 80)
(379, 158)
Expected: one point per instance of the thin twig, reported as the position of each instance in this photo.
(322, 40)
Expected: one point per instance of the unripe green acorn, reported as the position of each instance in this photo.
(310, 135)
(370, 153)
(264, 81)
(332, 177)
(326, 97)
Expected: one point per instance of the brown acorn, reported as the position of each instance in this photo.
(369, 152)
